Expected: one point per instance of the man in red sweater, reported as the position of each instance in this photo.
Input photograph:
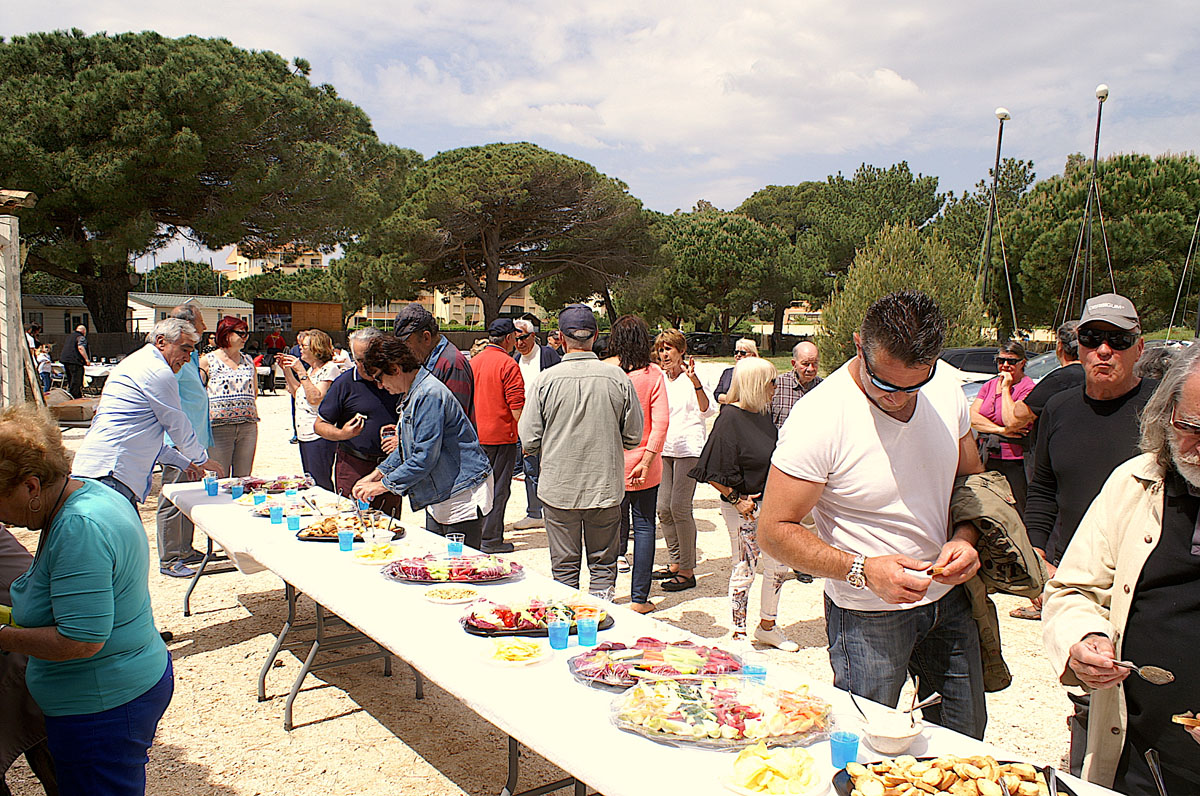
(499, 399)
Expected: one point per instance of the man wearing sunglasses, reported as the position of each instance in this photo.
(533, 358)
(1083, 435)
(877, 472)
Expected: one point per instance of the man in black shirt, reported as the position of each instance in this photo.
(74, 358)
(1085, 433)
(1129, 589)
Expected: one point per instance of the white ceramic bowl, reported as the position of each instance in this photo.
(891, 740)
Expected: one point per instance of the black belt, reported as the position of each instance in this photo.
(351, 452)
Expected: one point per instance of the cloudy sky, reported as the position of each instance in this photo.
(713, 100)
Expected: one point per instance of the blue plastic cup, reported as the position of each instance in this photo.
(560, 631)
(454, 543)
(754, 668)
(260, 498)
(210, 486)
(277, 515)
(345, 541)
(293, 522)
(237, 491)
(363, 505)
(587, 631)
(843, 741)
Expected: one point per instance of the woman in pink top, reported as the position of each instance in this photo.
(629, 348)
(1001, 436)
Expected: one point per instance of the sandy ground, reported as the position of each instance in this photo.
(361, 732)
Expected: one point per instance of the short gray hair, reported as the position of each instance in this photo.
(185, 312)
(173, 330)
(524, 326)
(1156, 416)
(365, 334)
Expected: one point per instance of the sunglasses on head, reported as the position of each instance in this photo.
(887, 386)
(1184, 427)
(1117, 339)
(1008, 360)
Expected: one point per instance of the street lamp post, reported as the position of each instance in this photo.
(1093, 196)
(985, 265)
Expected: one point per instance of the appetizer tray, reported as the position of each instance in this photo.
(722, 713)
(486, 618)
(479, 568)
(979, 774)
(280, 483)
(613, 666)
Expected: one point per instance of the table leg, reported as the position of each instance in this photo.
(312, 654)
(290, 591)
(187, 598)
(420, 682)
(514, 769)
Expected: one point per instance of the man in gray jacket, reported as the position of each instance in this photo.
(581, 417)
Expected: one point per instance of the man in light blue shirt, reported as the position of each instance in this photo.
(175, 530)
(139, 403)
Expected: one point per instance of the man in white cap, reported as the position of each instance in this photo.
(581, 417)
(1083, 435)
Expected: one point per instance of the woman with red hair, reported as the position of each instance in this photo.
(232, 398)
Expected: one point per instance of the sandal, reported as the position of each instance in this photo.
(679, 583)
(1026, 612)
(663, 574)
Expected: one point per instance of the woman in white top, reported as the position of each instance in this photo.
(309, 387)
(689, 405)
(232, 398)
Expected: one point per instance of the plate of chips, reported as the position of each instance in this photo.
(516, 652)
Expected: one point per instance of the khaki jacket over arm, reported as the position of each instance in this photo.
(1092, 590)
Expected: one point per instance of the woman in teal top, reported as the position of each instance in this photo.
(97, 667)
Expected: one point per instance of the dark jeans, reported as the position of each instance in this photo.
(871, 653)
(533, 468)
(104, 753)
(641, 506)
(472, 530)
(316, 457)
(74, 378)
(1014, 471)
(45, 377)
(111, 482)
(502, 458)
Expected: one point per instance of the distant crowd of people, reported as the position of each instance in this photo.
(881, 479)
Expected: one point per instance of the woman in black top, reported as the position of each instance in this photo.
(735, 461)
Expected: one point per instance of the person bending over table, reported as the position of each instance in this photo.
(97, 666)
(439, 464)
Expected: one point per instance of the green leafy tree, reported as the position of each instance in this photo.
(721, 262)
(899, 258)
(132, 138)
(1149, 207)
(846, 212)
(308, 284)
(471, 214)
(184, 276)
(962, 224)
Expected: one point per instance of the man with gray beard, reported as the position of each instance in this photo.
(1128, 588)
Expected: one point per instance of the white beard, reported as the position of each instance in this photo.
(1188, 464)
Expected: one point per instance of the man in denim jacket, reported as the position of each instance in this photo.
(439, 463)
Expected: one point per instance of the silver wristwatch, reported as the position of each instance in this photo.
(857, 577)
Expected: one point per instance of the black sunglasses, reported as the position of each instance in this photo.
(1008, 360)
(1117, 340)
(241, 332)
(525, 336)
(888, 386)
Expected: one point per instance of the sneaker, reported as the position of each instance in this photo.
(775, 639)
(622, 564)
(525, 523)
(194, 557)
(518, 477)
(177, 569)
(499, 547)
(294, 440)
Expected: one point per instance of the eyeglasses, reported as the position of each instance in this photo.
(1008, 360)
(1117, 340)
(1183, 427)
(525, 336)
(888, 386)
(740, 354)
(241, 332)
(376, 377)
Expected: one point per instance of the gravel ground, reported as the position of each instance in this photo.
(360, 732)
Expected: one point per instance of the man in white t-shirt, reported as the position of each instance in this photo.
(533, 358)
(877, 472)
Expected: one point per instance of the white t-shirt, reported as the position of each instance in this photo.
(686, 432)
(469, 504)
(887, 483)
(531, 366)
(306, 413)
(43, 363)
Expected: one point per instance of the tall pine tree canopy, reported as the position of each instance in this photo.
(132, 138)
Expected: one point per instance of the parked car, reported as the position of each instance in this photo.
(704, 343)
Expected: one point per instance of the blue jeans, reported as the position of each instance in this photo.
(640, 505)
(872, 652)
(105, 753)
(533, 468)
(45, 377)
(113, 483)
